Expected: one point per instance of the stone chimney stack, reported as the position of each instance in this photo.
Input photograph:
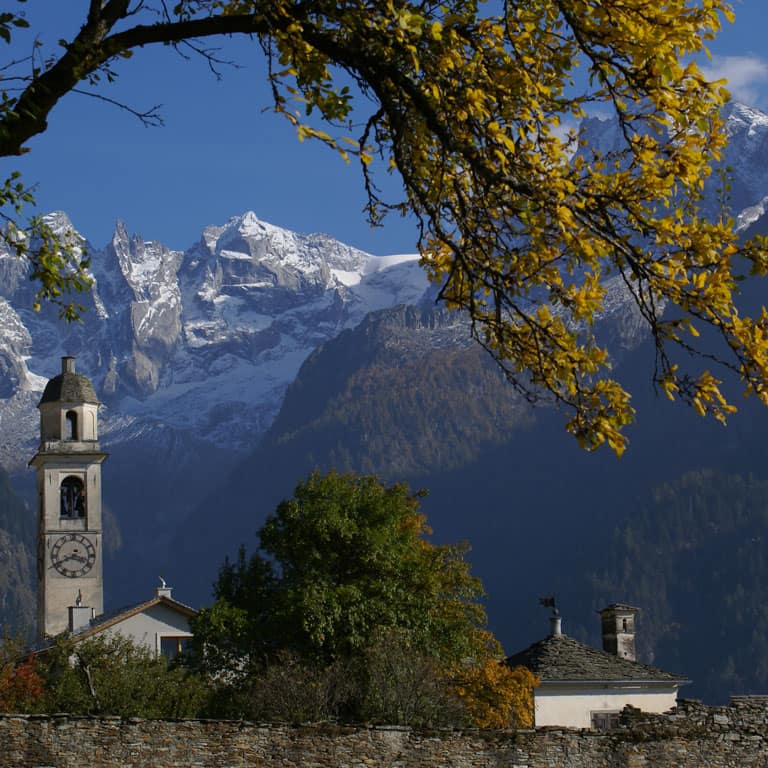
(68, 364)
(618, 625)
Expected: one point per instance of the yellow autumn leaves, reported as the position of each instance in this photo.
(496, 696)
(475, 106)
(521, 221)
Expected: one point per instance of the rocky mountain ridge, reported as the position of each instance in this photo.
(739, 182)
(204, 340)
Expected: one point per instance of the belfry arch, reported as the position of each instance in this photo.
(72, 496)
(70, 426)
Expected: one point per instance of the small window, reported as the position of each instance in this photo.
(70, 421)
(72, 498)
(171, 647)
(605, 721)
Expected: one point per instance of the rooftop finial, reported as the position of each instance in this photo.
(68, 364)
(549, 602)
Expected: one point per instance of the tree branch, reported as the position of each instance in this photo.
(151, 117)
(90, 50)
(94, 11)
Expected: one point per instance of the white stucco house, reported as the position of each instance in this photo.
(161, 625)
(583, 687)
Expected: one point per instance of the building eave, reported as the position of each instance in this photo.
(130, 612)
(70, 455)
(101, 626)
(636, 683)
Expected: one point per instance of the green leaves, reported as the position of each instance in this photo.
(9, 21)
(348, 597)
(58, 263)
(110, 675)
(351, 557)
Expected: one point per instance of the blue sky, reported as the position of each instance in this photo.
(220, 154)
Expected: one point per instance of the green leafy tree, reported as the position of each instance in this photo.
(110, 675)
(349, 599)
(343, 558)
(398, 683)
(390, 682)
(470, 105)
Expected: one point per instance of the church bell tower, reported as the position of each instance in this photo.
(69, 532)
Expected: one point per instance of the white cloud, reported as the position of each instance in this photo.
(747, 77)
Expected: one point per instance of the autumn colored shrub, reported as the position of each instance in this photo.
(21, 687)
(496, 696)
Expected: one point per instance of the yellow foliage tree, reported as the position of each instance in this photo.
(496, 696)
(471, 104)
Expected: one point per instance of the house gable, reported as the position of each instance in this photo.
(149, 625)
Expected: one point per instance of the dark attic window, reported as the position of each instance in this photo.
(605, 721)
(72, 498)
(71, 426)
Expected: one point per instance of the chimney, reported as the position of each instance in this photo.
(555, 624)
(618, 625)
(163, 590)
(79, 615)
(67, 364)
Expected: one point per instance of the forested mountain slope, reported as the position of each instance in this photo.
(693, 554)
(17, 566)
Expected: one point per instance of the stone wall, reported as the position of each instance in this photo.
(692, 736)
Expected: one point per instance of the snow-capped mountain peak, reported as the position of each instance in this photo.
(740, 118)
(171, 336)
(208, 339)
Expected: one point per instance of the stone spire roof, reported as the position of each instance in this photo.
(69, 387)
(559, 657)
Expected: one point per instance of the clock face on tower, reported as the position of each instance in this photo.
(73, 555)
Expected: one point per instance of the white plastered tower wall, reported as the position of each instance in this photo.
(70, 530)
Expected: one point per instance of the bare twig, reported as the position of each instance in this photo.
(151, 118)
